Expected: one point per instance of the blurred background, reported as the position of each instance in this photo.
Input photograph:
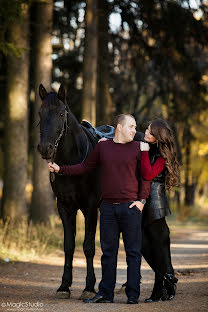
(144, 57)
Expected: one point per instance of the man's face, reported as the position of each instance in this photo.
(128, 129)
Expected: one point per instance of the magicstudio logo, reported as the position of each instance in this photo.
(22, 306)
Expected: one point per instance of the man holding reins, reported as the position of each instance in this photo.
(122, 204)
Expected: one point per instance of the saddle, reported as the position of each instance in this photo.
(104, 131)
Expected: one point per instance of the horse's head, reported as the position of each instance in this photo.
(53, 117)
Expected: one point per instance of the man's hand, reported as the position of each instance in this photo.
(138, 204)
(144, 147)
(53, 167)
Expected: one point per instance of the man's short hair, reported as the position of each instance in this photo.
(120, 119)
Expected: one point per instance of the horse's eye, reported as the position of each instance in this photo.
(61, 114)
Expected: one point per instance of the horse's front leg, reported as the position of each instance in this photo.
(89, 251)
(69, 225)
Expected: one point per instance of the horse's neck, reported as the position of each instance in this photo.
(68, 151)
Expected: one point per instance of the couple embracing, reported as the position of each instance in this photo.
(134, 203)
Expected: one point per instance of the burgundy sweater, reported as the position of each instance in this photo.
(121, 179)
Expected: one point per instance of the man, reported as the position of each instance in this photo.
(121, 207)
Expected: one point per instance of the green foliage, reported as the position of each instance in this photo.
(10, 12)
(165, 48)
(10, 49)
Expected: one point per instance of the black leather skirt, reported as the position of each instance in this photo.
(157, 205)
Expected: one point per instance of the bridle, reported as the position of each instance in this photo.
(59, 138)
(62, 131)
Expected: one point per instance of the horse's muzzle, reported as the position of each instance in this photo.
(47, 151)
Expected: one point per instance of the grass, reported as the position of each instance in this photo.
(195, 216)
(26, 241)
(192, 222)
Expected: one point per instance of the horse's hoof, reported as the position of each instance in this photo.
(63, 294)
(87, 295)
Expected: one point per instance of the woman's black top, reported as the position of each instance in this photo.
(157, 205)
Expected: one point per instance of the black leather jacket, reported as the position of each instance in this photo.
(157, 205)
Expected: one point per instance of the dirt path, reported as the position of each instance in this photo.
(30, 286)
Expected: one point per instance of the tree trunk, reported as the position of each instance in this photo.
(90, 63)
(190, 194)
(190, 187)
(16, 125)
(104, 106)
(42, 205)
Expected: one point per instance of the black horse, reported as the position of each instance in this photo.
(65, 141)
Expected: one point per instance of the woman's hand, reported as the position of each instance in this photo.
(102, 140)
(144, 147)
(138, 204)
(53, 167)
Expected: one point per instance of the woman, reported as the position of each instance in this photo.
(159, 164)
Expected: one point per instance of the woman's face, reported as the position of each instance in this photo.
(149, 137)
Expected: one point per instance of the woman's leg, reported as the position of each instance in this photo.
(147, 248)
(170, 279)
(156, 251)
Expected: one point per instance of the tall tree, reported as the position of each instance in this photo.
(16, 125)
(90, 63)
(69, 28)
(42, 199)
(104, 108)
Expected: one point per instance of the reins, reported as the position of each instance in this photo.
(87, 148)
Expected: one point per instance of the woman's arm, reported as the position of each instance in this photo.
(150, 172)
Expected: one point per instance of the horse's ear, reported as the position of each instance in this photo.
(62, 93)
(42, 92)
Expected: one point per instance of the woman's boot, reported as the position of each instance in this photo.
(170, 282)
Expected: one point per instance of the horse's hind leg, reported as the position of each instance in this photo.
(89, 251)
(69, 225)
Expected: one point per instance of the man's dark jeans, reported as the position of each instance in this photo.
(116, 219)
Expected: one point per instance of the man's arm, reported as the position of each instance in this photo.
(144, 189)
(90, 163)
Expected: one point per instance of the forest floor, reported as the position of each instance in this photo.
(31, 285)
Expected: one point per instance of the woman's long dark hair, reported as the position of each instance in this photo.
(166, 143)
